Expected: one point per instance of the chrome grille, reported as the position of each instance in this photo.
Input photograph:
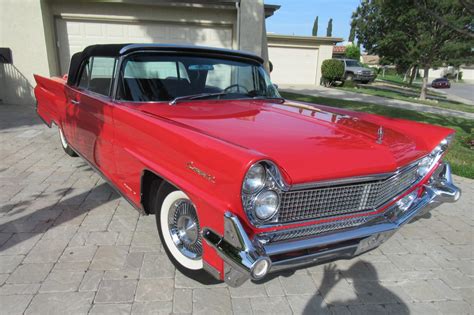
(312, 230)
(324, 202)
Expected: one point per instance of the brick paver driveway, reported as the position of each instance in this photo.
(69, 244)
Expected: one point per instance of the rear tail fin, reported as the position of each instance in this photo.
(50, 98)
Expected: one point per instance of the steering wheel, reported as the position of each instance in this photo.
(238, 86)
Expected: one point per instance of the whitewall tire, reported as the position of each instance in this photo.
(180, 230)
(69, 151)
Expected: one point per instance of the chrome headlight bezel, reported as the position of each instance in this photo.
(426, 164)
(273, 183)
(272, 210)
(252, 184)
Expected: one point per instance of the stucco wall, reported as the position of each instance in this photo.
(468, 74)
(21, 29)
(322, 47)
(252, 19)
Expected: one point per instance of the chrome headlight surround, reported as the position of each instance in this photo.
(426, 164)
(254, 180)
(258, 203)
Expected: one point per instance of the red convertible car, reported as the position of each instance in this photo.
(242, 182)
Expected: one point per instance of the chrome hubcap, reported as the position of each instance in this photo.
(184, 228)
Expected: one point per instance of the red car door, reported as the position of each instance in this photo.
(89, 114)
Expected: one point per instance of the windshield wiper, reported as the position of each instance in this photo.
(281, 99)
(195, 96)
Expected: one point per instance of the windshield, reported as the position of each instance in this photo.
(353, 63)
(156, 77)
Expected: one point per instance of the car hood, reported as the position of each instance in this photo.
(308, 143)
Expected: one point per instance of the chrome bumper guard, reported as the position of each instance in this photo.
(253, 259)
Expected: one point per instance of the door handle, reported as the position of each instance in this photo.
(75, 102)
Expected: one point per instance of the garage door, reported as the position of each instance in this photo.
(74, 35)
(293, 65)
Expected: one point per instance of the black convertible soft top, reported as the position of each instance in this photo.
(117, 50)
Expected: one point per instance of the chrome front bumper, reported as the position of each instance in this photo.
(243, 256)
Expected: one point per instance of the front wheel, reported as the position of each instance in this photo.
(65, 145)
(180, 232)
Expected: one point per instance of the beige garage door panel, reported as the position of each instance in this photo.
(74, 35)
(293, 65)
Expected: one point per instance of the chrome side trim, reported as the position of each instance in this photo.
(108, 181)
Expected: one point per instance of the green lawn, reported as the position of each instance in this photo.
(396, 79)
(461, 156)
(403, 97)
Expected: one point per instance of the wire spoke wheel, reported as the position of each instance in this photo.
(184, 229)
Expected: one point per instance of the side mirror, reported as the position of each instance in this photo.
(275, 86)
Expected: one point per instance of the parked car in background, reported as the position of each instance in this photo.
(441, 83)
(242, 182)
(355, 71)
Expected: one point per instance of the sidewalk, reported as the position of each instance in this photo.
(321, 91)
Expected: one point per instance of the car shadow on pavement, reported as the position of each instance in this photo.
(57, 213)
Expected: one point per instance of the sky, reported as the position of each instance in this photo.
(296, 17)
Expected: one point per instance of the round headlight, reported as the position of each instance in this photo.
(266, 204)
(255, 179)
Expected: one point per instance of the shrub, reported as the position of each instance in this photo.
(332, 70)
(352, 52)
(391, 71)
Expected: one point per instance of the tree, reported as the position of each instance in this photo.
(329, 29)
(423, 33)
(352, 35)
(352, 52)
(457, 54)
(315, 27)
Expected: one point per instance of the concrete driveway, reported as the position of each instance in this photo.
(70, 245)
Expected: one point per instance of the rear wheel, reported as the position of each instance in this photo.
(65, 145)
(180, 231)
